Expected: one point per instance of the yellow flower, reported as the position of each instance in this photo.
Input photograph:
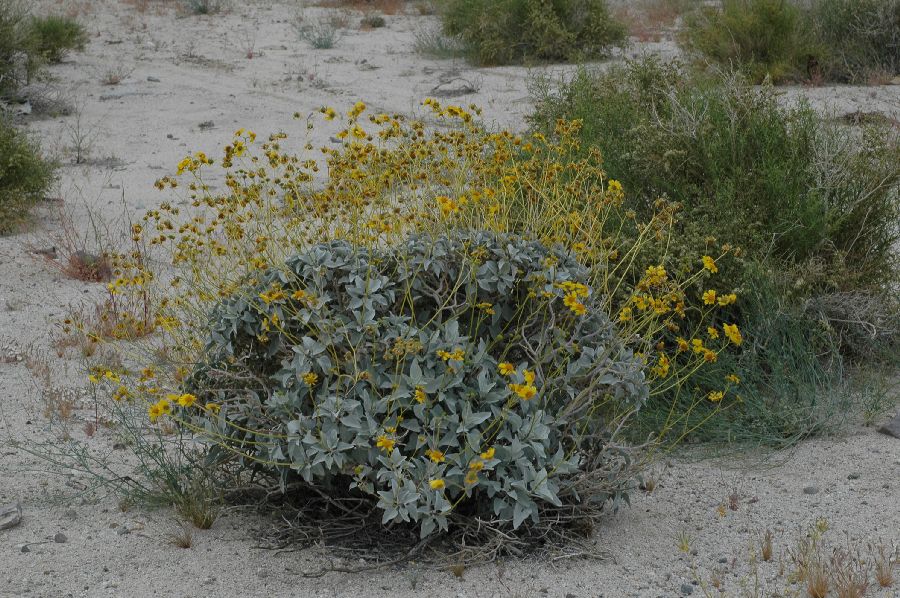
(614, 187)
(709, 297)
(310, 378)
(733, 378)
(571, 301)
(154, 412)
(385, 443)
(186, 400)
(528, 375)
(697, 345)
(524, 391)
(682, 345)
(472, 477)
(710, 356)
(436, 456)
(662, 368)
(330, 113)
(727, 299)
(213, 407)
(476, 465)
(94, 379)
(716, 396)
(488, 454)
(506, 368)
(437, 484)
(420, 395)
(111, 376)
(712, 332)
(625, 314)
(710, 264)
(733, 334)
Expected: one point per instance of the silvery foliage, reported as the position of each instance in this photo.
(372, 335)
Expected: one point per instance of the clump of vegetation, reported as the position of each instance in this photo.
(50, 38)
(431, 339)
(861, 39)
(813, 212)
(205, 7)
(763, 38)
(28, 43)
(511, 31)
(319, 32)
(25, 176)
(471, 373)
(787, 40)
(373, 21)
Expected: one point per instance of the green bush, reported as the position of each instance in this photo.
(834, 40)
(862, 38)
(763, 38)
(813, 205)
(443, 376)
(778, 181)
(13, 43)
(51, 37)
(24, 176)
(509, 31)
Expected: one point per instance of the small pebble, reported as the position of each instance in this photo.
(153, 79)
(687, 589)
(853, 476)
(811, 490)
(60, 538)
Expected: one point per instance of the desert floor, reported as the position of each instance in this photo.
(188, 84)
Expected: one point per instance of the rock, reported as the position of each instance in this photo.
(811, 490)
(10, 516)
(24, 548)
(853, 476)
(892, 428)
(153, 79)
(60, 538)
(687, 589)
(207, 124)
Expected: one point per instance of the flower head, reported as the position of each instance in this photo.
(710, 264)
(310, 378)
(385, 443)
(733, 333)
(709, 297)
(506, 368)
(437, 484)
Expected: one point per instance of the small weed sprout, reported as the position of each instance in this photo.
(320, 32)
(183, 537)
(766, 546)
(886, 561)
(205, 7)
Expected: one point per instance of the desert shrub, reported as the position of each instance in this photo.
(445, 374)
(453, 248)
(24, 176)
(861, 38)
(14, 63)
(763, 38)
(507, 31)
(811, 206)
(835, 40)
(51, 37)
(778, 181)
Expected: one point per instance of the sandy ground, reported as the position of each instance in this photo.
(181, 72)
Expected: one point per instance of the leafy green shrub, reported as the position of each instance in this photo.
(760, 37)
(812, 205)
(24, 176)
(508, 31)
(862, 38)
(778, 181)
(51, 37)
(448, 374)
